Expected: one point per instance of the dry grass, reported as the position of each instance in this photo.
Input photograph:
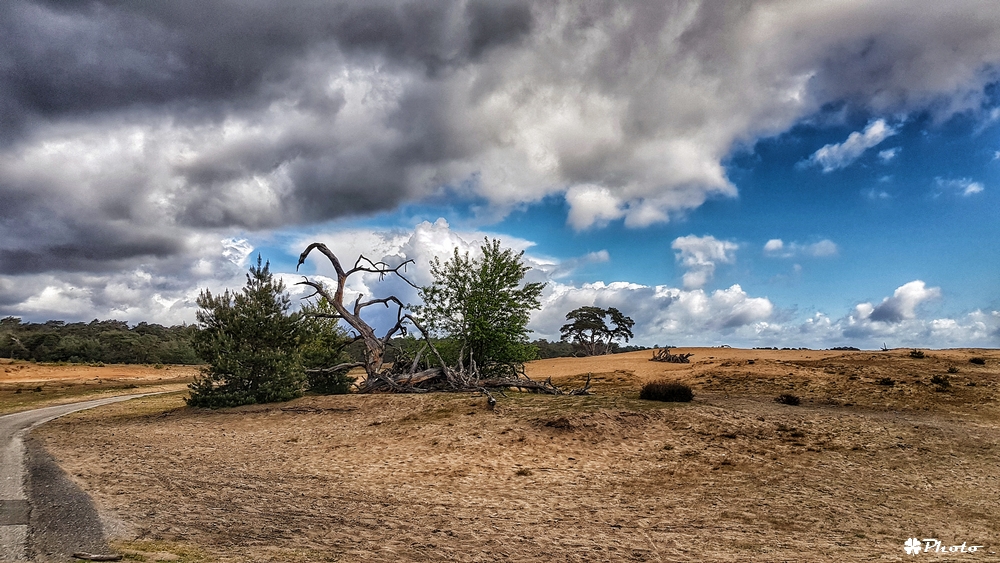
(848, 474)
(27, 385)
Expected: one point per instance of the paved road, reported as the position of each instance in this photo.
(15, 508)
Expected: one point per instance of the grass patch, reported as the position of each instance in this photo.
(159, 551)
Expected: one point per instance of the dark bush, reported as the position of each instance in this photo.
(329, 383)
(918, 354)
(978, 361)
(941, 381)
(787, 399)
(887, 381)
(952, 369)
(667, 391)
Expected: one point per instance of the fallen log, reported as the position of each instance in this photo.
(664, 355)
(97, 556)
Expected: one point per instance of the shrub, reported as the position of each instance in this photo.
(918, 354)
(322, 346)
(887, 381)
(978, 361)
(329, 383)
(787, 399)
(941, 381)
(667, 391)
(952, 369)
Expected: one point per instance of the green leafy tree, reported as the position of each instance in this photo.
(482, 305)
(591, 332)
(323, 348)
(251, 344)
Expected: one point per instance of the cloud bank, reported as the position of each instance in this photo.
(687, 316)
(125, 126)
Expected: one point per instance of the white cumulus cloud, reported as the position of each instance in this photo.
(700, 256)
(904, 302)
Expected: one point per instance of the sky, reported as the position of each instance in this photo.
(772, 173)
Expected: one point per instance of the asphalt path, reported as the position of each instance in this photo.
(43, 515)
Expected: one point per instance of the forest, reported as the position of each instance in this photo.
(108, 341)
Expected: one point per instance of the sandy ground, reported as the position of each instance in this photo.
(25, 385)
(849, 474)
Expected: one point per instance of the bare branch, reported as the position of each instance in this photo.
(326, 252)
(338, 367)
(380, 268)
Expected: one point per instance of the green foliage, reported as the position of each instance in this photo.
(548, 349)
(667, 391)
(590, 331)
(108, 341)
(251, 344)
(481, 304)
(323, 346)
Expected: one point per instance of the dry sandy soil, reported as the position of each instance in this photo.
(848, 475)
(27, 385)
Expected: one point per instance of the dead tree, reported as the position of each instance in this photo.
(403, 375)
(664, 355)
(374, 344)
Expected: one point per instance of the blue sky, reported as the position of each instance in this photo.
(783, 174)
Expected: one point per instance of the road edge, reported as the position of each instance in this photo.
(63, 518)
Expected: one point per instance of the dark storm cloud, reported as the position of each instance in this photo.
(85, 248)
(72, 57)
(178, 75)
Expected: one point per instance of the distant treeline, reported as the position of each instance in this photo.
(544, 348)
(114, 342)
(111, 342)
(563, 349)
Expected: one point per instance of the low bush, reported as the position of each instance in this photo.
(978, 361)
(887, 381)
(952, 369)
(667, 391)
(787, 399)
(941, 381)
(329, 383)
(918, 354)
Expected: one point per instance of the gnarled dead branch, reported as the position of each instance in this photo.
(664, 355)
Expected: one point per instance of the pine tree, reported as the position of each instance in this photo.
(251, 344)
